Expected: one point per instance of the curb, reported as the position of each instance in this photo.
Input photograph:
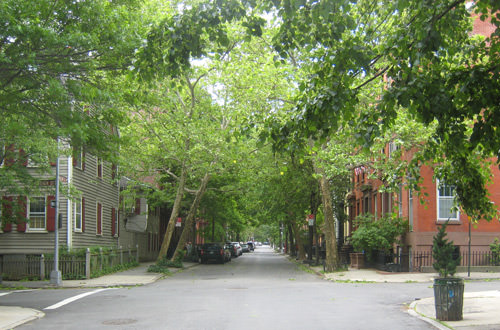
(32, 314)
(412, 310)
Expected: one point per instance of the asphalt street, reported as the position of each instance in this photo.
(260, 290)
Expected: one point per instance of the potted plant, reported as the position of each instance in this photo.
(448, 290)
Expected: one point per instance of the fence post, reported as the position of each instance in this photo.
(87, 264)
(137, 253)
(121, 255)
(101, 259)
(129, 253)
(42, 267)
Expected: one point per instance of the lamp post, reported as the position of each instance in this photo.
(55, 274)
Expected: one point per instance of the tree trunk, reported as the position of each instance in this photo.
(332, 259)
(301, 255)
(173, 216)
(191, 215)
(290, 242)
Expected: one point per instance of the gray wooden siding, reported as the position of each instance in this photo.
(93, 189)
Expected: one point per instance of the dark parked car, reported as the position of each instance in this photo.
(213, 251)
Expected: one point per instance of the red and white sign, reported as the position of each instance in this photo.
(310, 219)
(179, 222)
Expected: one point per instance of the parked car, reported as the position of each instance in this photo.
(213, 251)
(251, 246)
(230, 250)
(236, 249)
(244, 247)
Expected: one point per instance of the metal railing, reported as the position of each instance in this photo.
(417, 261)
(83, 266)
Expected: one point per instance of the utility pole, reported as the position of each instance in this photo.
(55, 274)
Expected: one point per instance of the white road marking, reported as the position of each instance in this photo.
(4, 293)
(72, 299)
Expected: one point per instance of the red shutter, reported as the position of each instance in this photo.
(99, 219)
(51, 214)
(137, 206)
(9, 158)
(113, 171)
(23, 157)
(83, 214)
(21, 215)
(113, 222)
(7, 213)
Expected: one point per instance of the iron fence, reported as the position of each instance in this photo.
(82, 266)
(417, 261)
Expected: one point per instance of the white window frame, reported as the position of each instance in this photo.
(76, 228)
(447, 198)
(410, 209)
(99, 161)
(79, 159)
(30, 214)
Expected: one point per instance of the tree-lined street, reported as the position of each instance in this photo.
(261, 290)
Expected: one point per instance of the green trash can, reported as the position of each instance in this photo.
(449, 298)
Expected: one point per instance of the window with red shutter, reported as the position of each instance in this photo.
(21, 215)
(99, 219)
(7, 213)
(137, 206)
(51, 214)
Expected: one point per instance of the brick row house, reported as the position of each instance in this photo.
(424, 218)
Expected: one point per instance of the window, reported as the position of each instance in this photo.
(366, 204)
(446, 207)
(78, 158)
(410, 209)
(99, 219)
(77, 215)
(400, 201)
(99, 167)
(37, 213)
(375, 210)
(386, 203)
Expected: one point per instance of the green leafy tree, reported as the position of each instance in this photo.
(61, 64)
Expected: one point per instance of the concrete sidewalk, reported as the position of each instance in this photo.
(11, 316)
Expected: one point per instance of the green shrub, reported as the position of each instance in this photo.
(381, 234)
(495, 252)
(163, 265)
(443, 253)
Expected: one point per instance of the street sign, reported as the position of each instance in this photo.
(310, 219)
(179, 222)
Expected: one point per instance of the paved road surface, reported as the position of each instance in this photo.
(259, 291)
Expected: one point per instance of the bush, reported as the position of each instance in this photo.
(165, 263)
(495, 252)
(443, 252)
(372, 235)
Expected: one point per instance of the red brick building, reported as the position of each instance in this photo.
(424, 218)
